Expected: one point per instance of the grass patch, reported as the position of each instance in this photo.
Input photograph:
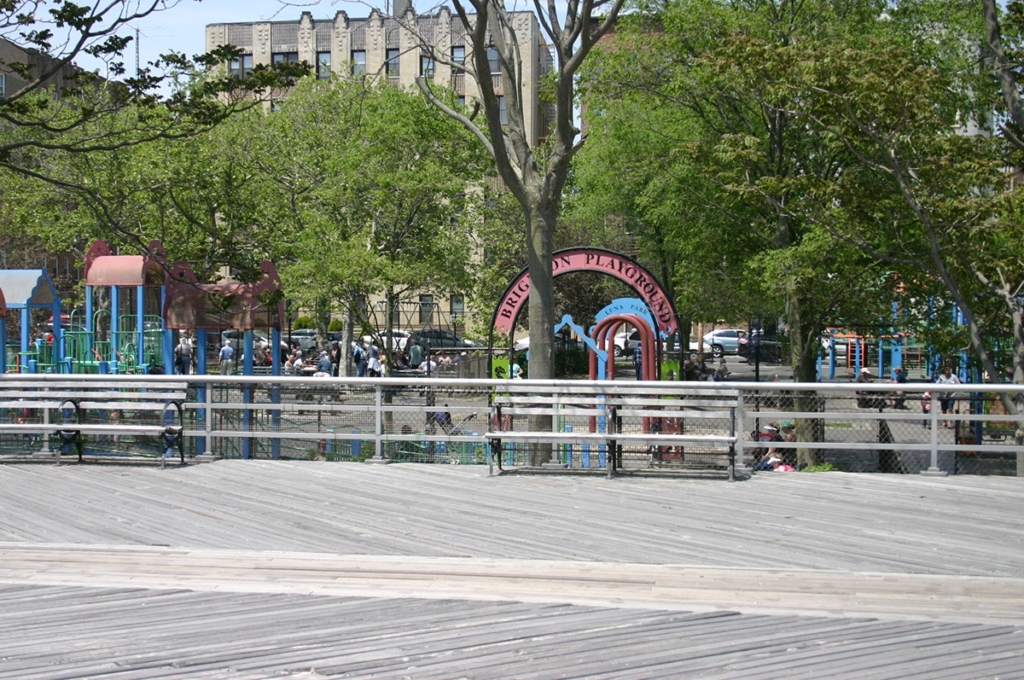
(821, 467)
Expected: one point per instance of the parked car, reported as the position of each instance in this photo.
(765, 348)
(437, 338)
(626, 342)
(724, 341)
(399, 339)
(237, 338)
(304, 339)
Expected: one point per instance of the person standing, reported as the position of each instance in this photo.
(335, 358)
(183, 354)
(638, 362)
(946, 398)
(227, 358)
(899, 378)
(359, 358)
(373, 360)
(415, 352)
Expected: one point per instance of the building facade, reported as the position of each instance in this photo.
(399, 48)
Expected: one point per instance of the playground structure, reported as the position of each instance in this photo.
(658, 318)
(853, 351)
(124, 326)
(619, 312)
(204, 307)
(126, 333)
(26, 290)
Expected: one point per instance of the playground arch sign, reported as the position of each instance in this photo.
(590, 260)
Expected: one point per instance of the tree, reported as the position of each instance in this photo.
(52, 109)
(941, 207)
(390, 209)
(730, 161)
(535, 175)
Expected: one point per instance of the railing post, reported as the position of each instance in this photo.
(610, 428)
(933, 470)
(739, 425)
(378, 426)
(206, 441)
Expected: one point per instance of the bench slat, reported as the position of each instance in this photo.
(81, 386)
(6, 395)
(40, 428)
(621, 438)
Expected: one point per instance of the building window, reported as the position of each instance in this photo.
(457, 307)
(492, 59)
(426, 66)
(426, 310)
(241, 66)
(359, 62)
(391, 63)
(502, 112)
(3, 85)
(323, 65)
(459, 57)
(284, 58)
(461, 101)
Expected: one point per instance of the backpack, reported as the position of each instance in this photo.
(357, 354)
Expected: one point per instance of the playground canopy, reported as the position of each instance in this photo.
(28, 289)
(103, 268)
(241, 306)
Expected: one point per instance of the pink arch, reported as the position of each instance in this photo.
(595, 260)
(604, 332)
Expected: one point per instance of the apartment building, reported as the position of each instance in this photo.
(400, 48)
(14, 59)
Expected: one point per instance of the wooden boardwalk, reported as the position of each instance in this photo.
(256, 569)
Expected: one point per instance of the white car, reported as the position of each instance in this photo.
(399, 339)
(724, 341)
(237, 337)
(625, 342)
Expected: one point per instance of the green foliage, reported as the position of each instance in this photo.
(389, 208)
(54, 109)
(572, 363)
(336, 325)
(713, 135)
(821, 467)
(304, 322)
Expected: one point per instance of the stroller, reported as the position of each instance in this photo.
(452, 452)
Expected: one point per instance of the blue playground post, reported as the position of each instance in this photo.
(247, 394)
(89, 325)
(26, 338)
(831, 358)
(275, 392)
(168, 337)
(140, 328)
(115, 306)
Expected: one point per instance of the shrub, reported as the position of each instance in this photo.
(336, 325)
(303, 322)
(821, 467)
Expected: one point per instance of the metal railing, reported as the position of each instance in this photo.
(856, 427)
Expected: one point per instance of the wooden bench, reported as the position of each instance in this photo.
(608, 410)
(72, 400)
